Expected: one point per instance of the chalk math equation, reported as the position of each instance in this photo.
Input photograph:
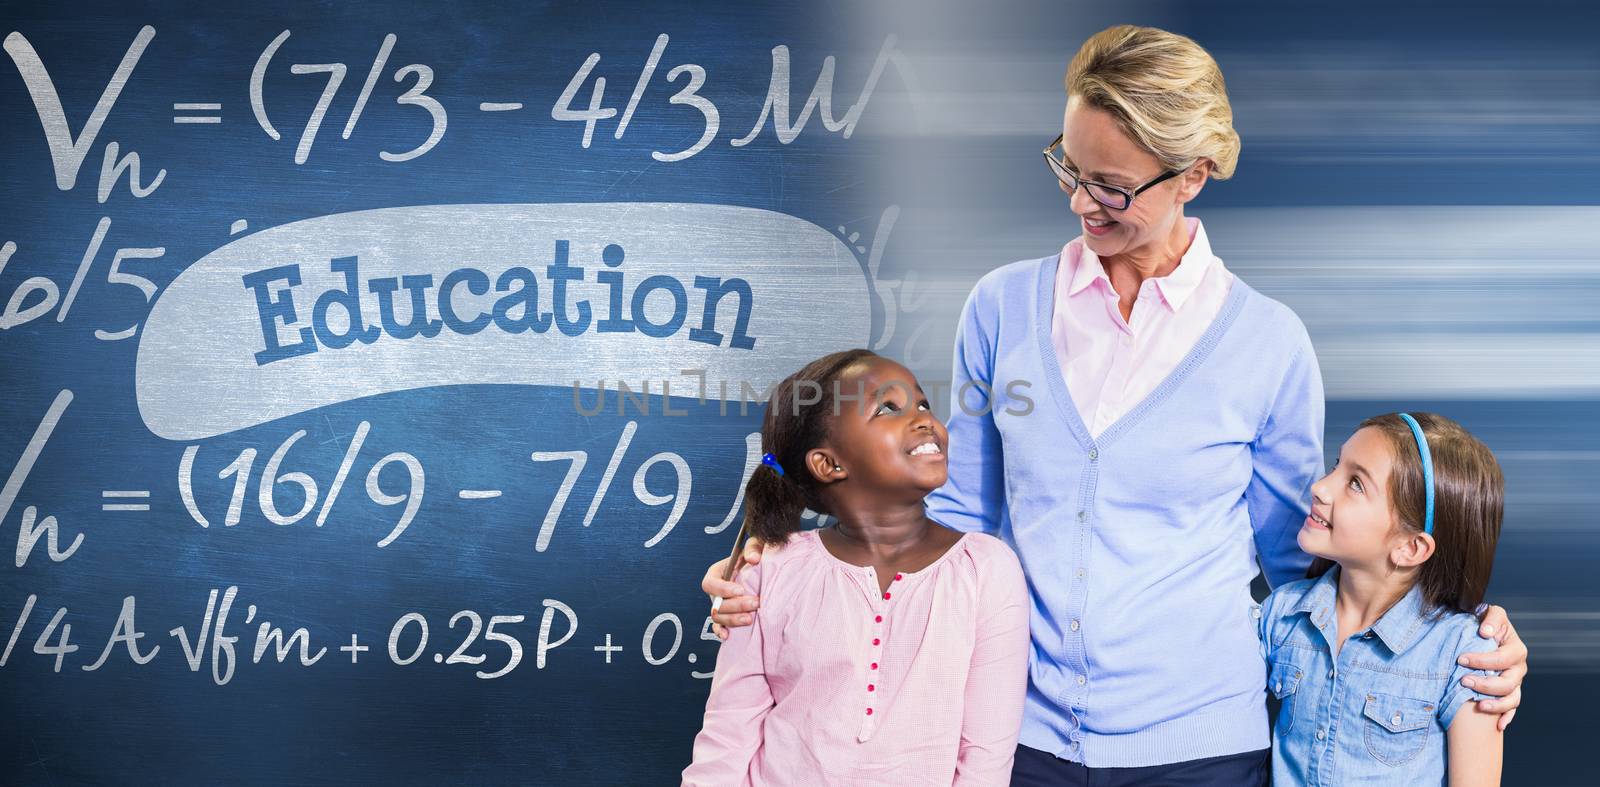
(266, 490)
(584, 101)
(411, 638)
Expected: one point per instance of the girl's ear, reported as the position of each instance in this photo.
(1414, 549)
(824, 466)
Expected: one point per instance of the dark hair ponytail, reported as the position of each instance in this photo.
(791, 428)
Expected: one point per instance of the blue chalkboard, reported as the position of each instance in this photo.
(379, 379)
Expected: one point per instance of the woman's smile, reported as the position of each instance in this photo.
(1098, 227)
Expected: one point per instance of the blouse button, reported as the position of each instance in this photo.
(874, 640)
(886, 596)
(874, 665)
(869, 711)
(898, 577)
(871, 687)
(877, 618)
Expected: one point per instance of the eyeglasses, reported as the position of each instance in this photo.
(1113, 197)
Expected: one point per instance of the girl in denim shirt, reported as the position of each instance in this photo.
(1364, 654)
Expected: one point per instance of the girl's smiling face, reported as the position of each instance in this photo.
(889, 439)
(1352, 521)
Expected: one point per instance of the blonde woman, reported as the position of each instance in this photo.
(1174, 428)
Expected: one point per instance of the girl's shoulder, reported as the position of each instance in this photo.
(988, 549)
(1452, 633)
(994, 562)
(801, 548)
(804, 546)
(1290, 592)
(1278, 604)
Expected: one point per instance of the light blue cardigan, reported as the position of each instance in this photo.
(1140, 545)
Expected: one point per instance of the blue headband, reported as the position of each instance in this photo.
(772, 461)
(1427, 469)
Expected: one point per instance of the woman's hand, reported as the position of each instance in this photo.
(1510, 659)
(737, 607)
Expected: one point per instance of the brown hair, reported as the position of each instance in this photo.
(791, 428)
(1468, 501)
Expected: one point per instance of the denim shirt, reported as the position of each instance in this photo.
(1376, 714)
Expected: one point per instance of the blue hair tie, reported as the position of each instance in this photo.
(772, 461)
(1427, 469)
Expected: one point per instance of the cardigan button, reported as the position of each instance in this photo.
(1094, 454)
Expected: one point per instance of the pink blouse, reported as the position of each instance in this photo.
(1110, 364)
(837, 683)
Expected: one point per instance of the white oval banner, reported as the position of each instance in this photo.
(340, 307)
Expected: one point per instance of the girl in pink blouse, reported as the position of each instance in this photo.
(890, 649)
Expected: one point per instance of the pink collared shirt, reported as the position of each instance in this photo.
(1110, 365)
(838, 683)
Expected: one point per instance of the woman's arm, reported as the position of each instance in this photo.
(740, 699)
(1474, 746)
(998, 679)
(1286, 458)
(973, 495)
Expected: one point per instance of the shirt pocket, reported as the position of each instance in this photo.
(1284, 681)
(1397, 728)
